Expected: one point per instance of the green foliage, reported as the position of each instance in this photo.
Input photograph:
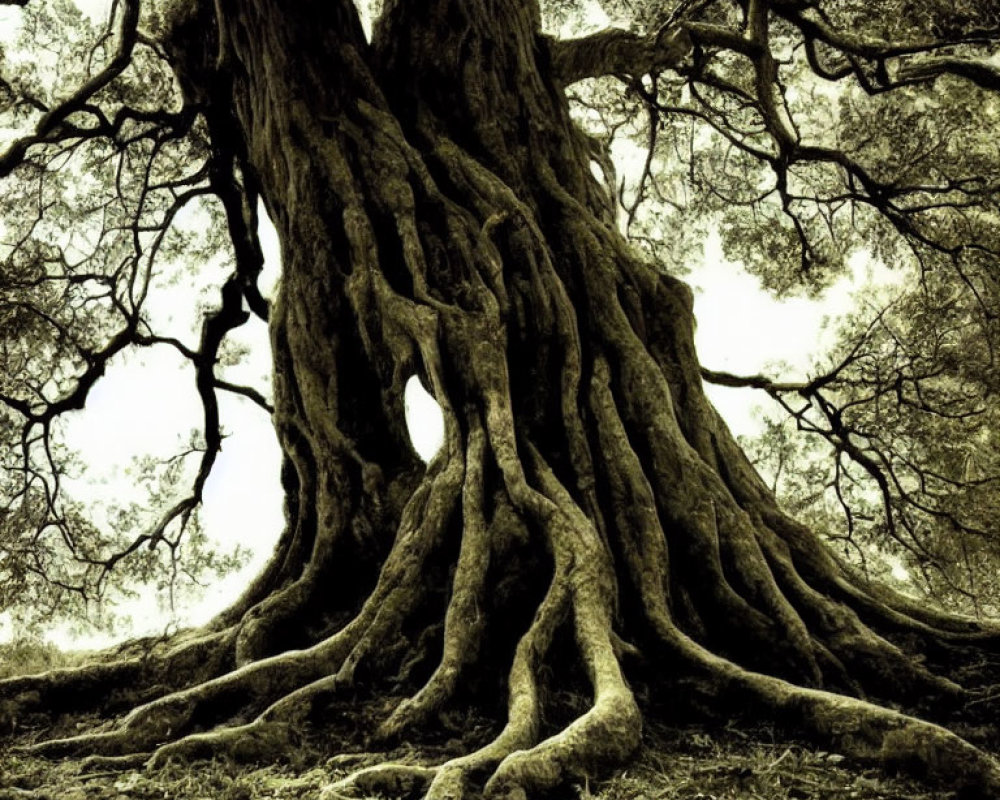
(26, 657)
(93, 234)
(901, 457)
(910, 19)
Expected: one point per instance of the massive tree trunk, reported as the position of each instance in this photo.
(589, 523)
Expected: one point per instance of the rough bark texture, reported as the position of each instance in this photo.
(588, 512)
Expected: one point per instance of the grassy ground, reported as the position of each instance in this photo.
(686, 763)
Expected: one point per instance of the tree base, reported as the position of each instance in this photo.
(333, 737)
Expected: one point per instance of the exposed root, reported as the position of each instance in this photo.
(870, 733)
(114, 763)
(611, 729)
(255, 742)
(394, 780)
(191, 657)
(878, 605)
(268, 737)
(464, 620)
(400, 588)
(523, 703)
(867, 657)
(169, 717)
(878, 735)
(259, 624)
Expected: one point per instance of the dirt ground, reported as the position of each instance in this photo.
(674, 764)
(731, 762)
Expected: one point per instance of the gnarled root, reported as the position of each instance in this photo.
(120, 680)
(605, 570)
(870, 733)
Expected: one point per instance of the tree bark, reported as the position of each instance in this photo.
(438, 216)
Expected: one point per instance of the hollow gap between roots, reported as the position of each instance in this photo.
(424, 419)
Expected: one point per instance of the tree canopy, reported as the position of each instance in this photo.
(98, 227)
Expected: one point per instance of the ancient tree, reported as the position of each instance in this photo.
(589, 525)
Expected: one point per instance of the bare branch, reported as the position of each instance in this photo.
(246, 391)
(980, 72)
(618, 52)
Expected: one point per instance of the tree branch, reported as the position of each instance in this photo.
(240, 204)
(749, 382)
(981, 73)
(246, 391)
(856, 49)
(618, 52)
(51, 121)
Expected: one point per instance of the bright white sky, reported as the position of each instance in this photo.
(744, 330)
(147, 403)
